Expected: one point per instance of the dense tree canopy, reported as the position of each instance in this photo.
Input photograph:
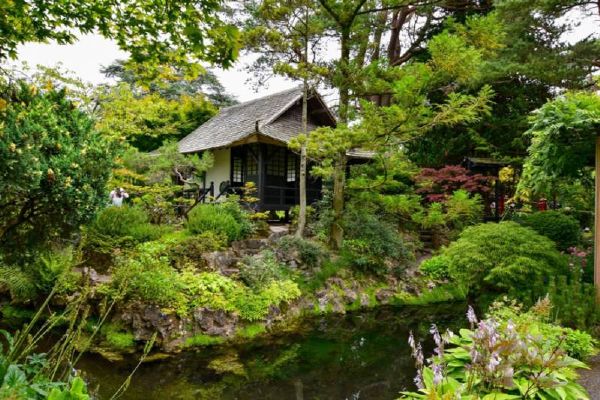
(53, 165)
(173, 86)
(147, 121)
(563, 134)
(154, 32)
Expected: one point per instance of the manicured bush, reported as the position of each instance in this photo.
(562, 229)
(122, 224)
(215, 218)
(503, 258)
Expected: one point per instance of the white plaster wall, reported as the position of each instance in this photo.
(220, 169)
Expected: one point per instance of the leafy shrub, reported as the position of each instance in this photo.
(498, 359)
(463, 209)
(28, 377)
(122, 224)
(308, 252)
(537, 321)
(233, 207)
(255, 306)
(575, 300)
(20, 284)
(504, 257)
(260, 270)
(562, 229)
(190, 249)
(215, 218)
(151, 280)
(435, 268)
(47, 270)
(371, 242)
(15, 316)
(439, 184)
(213, 290)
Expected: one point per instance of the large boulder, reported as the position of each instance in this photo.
(215, 322)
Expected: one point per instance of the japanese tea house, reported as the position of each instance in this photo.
(249, 144)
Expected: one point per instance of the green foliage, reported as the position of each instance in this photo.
(371, 242)
(574, 300)
(562, 229)
(190, 249)
(76, 391)
(45, 271)
(252, 330)
(562, 134)
(172, 87)
(153, 37)
(445, 293)
(538, 321)
(15, 316)
(29, 380)
(121, 225)
(509, 355)
(146, 122)
(149, 279)
(260, 270)
(146, 275)
(53, 167)
(255, 306)
(435, 268)
(225, 219)
(117, 337)
(504, 257)
(19, 284)
(309, 252)
(462, 210)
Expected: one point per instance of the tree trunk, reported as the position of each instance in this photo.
(339, 178)
(597, 223)
(302, 183)
(302, 211)
(339, 173)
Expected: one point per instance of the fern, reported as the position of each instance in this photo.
(20, 284)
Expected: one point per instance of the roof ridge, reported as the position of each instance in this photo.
(261, 98)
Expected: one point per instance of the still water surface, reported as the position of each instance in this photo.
(362, 355)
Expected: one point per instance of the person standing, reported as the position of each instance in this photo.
(117, 196)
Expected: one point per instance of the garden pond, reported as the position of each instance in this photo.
(360, 355)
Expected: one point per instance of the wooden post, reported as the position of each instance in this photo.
(597, 223)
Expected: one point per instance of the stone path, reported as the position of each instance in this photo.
(590, 378)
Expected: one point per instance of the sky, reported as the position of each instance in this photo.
(86, 56)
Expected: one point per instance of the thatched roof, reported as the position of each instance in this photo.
(277, 117)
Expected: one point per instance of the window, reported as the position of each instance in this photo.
(275, 163)
(291, 168)
(237, 170)
(251, 165)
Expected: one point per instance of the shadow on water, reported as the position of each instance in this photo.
(362, 355)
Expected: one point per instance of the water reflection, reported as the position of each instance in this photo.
(362, 355)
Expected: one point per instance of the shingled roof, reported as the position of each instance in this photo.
(273, 116)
